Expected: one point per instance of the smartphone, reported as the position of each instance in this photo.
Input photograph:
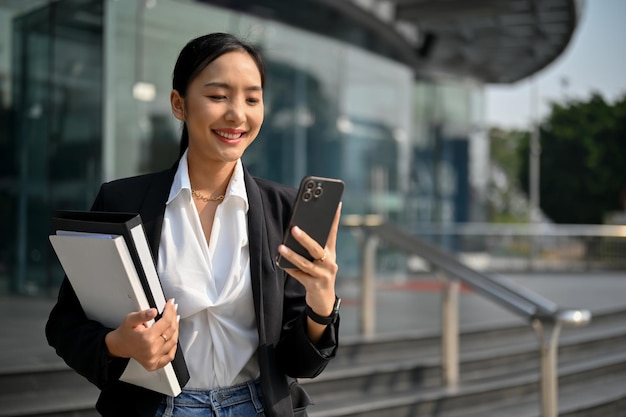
(313, 212)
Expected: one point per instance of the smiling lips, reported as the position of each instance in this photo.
(230, 135)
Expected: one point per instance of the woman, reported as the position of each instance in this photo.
(215, 231)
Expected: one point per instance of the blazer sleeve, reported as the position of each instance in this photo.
(298, 356)
(78, 340)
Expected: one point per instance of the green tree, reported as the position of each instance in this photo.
(506, 203)
(583, 160)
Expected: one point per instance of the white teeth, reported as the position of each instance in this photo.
(229, 135)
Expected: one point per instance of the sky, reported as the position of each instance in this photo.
(594, 61)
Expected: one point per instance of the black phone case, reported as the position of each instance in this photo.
(313, 212)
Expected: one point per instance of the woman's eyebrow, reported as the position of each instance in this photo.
(220, 84)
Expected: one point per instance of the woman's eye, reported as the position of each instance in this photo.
(217, 97)
(253, 100)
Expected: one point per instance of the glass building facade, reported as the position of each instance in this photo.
(84, 89)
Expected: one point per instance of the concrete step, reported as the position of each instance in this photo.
(481, 398)
(581, 400)
(394, 367)
(56, 391)
(383, 376)
(356, 350)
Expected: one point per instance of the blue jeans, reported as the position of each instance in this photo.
(238, 401)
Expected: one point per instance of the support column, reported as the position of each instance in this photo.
(450, 331)
(368, 286)
(548, 334)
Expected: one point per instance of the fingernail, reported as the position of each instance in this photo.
(176, 307)
(177, 319)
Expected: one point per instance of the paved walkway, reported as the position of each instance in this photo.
(402, 306)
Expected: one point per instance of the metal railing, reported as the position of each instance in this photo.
(532, 247)
(544, 316)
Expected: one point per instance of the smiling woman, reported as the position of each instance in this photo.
(243, 323)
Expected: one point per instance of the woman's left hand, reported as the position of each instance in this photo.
(317, 276)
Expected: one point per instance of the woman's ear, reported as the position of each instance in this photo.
(178, 105)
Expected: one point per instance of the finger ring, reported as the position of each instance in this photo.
(323, 258)
(164, 337)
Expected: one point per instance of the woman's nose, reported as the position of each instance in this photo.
(236, 112)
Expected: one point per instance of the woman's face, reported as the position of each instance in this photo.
(223, 108)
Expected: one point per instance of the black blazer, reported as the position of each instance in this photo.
(285, 352)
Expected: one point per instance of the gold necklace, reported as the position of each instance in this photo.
(205, 198)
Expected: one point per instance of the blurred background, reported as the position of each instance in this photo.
(493, 130)
(432, 112)
(582, 69)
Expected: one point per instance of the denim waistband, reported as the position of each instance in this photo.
(219, 397)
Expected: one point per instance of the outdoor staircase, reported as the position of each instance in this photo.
(51, 390)
(499, 374)
(401, 376)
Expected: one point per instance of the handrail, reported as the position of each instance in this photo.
(544, 315)
(506, 296)
(523, 229)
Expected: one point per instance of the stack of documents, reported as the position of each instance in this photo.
(108, 261)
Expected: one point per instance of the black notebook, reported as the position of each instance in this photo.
(108, 261)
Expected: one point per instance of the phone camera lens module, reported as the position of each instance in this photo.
(318, 192)
(309, 185)
(306, 196)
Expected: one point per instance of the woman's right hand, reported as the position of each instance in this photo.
(152, 346)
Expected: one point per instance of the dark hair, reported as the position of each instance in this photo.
(200, 52)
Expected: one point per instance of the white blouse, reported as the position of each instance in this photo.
(210, 283)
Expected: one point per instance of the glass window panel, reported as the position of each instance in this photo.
(332, 109)
(53, 134)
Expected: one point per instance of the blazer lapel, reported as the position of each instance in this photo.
(266, 290)
(153, 207)
(258, 251)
